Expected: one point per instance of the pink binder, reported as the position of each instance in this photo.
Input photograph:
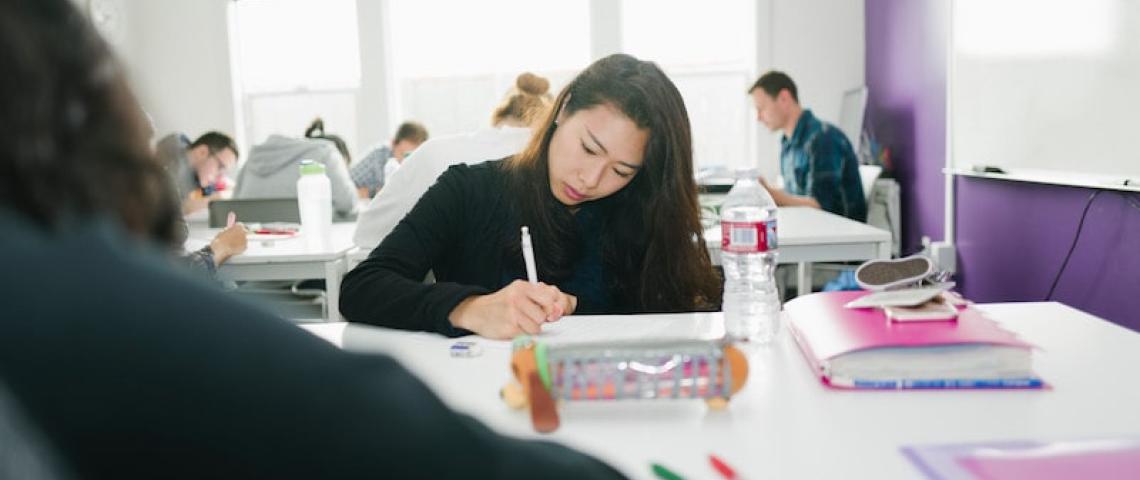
(825, 329)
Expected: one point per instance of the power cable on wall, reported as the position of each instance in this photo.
(1132, 202)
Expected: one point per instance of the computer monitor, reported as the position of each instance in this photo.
(851, 112)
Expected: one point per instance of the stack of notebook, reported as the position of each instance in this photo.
(861, 348)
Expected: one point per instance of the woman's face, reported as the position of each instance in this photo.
(594, 153)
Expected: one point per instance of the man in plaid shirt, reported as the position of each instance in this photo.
(819, 166)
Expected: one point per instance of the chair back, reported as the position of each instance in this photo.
(868, 174)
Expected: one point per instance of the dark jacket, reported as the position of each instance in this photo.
(132, 370)
(461, 231)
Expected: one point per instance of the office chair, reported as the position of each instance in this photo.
(868, 174)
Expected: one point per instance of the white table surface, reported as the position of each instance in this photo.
(806, 235)
(784, 423)
(287, 259)
(292, 249)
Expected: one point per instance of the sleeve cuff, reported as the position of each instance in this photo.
(448, 296)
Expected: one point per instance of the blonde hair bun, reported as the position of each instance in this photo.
(532, 84)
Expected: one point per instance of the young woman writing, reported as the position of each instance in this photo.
(606, 188)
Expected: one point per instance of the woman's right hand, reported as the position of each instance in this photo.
(518, 308)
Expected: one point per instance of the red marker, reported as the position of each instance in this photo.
(722, 468)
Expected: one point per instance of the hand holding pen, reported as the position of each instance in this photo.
(520, 307)
(230, 241)
(563, 304)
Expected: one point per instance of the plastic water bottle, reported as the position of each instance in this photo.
(748, 254)
(314, 200)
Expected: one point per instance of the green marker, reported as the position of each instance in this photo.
(665, 473)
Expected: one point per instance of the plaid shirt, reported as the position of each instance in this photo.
(819, 162)
(369, 171)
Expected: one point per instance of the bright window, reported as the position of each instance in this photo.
(683, 33)
(297, 44)
(488, 36)
(297, 60)
(708, 49)
(451, 86)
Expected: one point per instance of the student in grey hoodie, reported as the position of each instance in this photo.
(273, 167)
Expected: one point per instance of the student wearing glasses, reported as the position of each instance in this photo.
(196, 167)
(606, 188)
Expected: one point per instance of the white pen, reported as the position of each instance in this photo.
(528, 256)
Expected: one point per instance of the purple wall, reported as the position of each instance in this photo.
(1013, 252)
(906, 79)
(1011, 236)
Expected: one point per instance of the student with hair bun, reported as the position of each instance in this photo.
(525, 104)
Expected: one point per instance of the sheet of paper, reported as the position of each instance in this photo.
(597, 328)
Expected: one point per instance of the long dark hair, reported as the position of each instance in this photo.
(652, 246)
(73, 141)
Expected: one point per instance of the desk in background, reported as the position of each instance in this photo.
(806, 235)
(784, 423)
(287, 259)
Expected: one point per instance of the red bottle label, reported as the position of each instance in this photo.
(748, 237)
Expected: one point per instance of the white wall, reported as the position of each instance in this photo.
(819, 43)
(1056, 98)
(178, 58)
(605, 17)
(178, 54)
(374, 99)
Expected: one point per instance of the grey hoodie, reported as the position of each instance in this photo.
(273, 167)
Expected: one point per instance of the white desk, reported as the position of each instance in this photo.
(805, 235)
(784, 423)
(287, 259)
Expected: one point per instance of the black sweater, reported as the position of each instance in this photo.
(459, 230)
(131, 371)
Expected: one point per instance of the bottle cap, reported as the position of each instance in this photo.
(309, 167)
